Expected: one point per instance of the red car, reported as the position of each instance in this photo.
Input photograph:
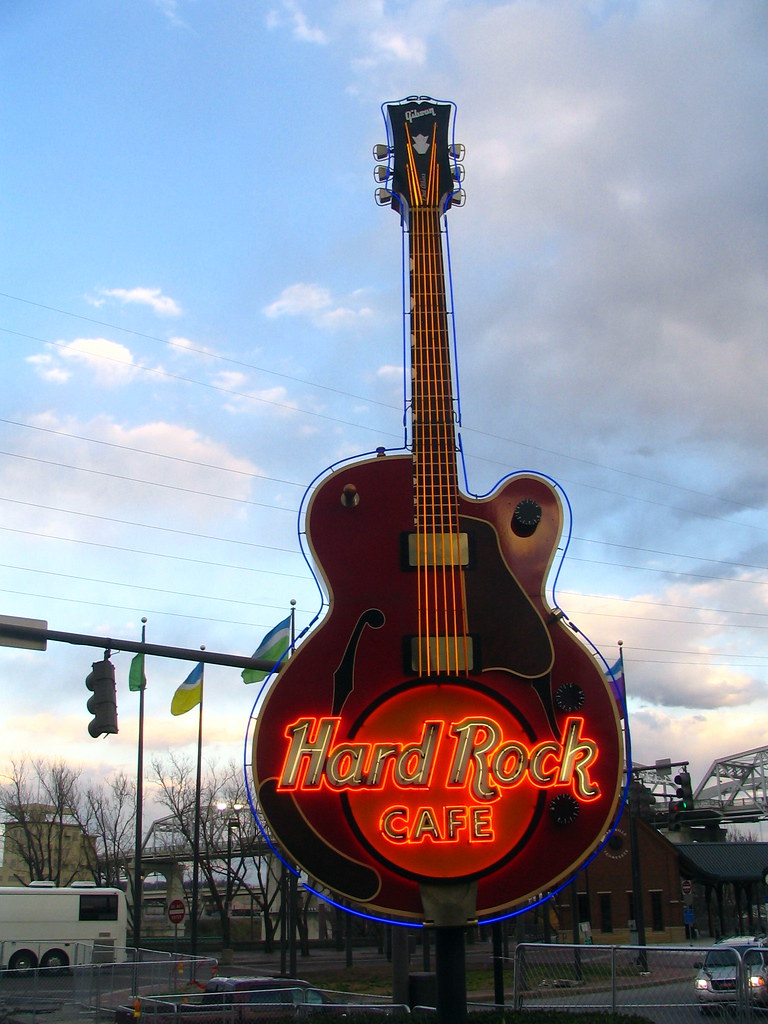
(226, 1001)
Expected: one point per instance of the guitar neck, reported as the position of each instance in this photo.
(432, 400)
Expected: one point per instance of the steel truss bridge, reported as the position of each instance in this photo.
(165, 841)
(734, 789)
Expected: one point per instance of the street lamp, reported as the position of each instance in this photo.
(233, 821)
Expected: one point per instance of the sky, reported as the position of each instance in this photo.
(201, 310)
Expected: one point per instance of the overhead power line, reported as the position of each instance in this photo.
(734, 503)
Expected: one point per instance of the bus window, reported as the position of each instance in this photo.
(103, 907)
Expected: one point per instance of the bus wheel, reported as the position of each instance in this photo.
(22, 960)
(55, 958)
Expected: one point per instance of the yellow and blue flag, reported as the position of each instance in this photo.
(615, 675)
(272, 648)
(190, 693)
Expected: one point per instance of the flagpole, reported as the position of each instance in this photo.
(138, 885)
(196, 840)
(621, 663)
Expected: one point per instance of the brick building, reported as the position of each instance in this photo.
(604, 893)
(40, 843)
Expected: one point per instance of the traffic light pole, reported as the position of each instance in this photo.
(638, 894)
(12, 634)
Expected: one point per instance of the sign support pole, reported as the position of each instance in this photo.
(451, 908)
(450, 957)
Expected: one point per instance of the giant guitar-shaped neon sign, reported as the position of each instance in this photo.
(442, 729)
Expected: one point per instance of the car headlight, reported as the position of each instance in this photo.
(702, 983)
(757, 981)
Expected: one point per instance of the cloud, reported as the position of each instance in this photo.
(706, 688)
(245, 398)
(395, 46)
(185, 346)
(161, 304)
(698, 738)
(159, 468)
(291, 14)
(623, 206)
(690, 644)
(316, 304)
(390, 373)
(170, 8)
(110, 362)
(47, 367)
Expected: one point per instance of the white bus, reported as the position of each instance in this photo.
(45, 926)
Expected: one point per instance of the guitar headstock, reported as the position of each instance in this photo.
(422, 166)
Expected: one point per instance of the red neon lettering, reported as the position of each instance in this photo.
(479, 759)
(438, 824)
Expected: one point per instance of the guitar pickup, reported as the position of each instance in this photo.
(427, 655)
(432, 549)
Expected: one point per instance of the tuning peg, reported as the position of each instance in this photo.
(458, 172)
(459, 198)
(383, 196)
(381, 172)
(380, 151)
(457, 151)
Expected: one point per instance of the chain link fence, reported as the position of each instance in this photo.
(667, 985)
(45, 995)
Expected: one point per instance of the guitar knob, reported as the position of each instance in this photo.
(349, 496)
(569, 697)
(564, 809)
(526, 517)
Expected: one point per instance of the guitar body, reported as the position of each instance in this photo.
(442, 747)
(531, 676)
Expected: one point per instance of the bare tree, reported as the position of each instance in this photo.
(110, 818)
(44, 840)
(233, 857)
(57, 830)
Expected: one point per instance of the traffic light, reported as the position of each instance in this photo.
(684, 790)
(641, 800)
(673, 816)
(103, 703)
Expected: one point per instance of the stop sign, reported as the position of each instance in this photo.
(176, 911)
(686, 886)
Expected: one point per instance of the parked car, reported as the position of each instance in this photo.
(226, 1001)
(717, 982)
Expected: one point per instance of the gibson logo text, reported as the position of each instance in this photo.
(411, 115)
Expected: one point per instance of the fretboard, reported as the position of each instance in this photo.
(432, 401)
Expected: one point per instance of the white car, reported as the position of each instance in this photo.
(718, 979)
